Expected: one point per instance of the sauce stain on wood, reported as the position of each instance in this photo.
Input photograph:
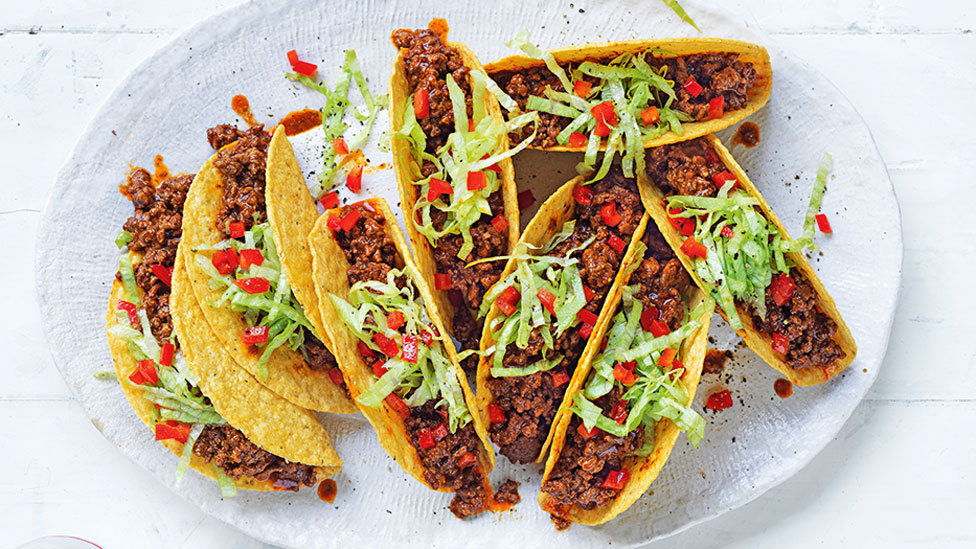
(242, 107)
(297, 122)
(327, 490)
(783, 388)
(747, 134)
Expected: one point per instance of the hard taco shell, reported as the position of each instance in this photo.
(655, 202)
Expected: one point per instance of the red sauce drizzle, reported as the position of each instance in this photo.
(160, 171)
(297, 122)
(783, 388)
(327, 490)
(242, 107)
(747, 134)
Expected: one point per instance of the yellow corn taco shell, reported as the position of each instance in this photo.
(288, 372)
(407, 170)
(329, 269)
(322, 456)
(757, 96)
(643, 470)
(559, 208)
(656, 203)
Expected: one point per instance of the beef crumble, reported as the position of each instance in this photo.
(229, 449)
(372, 254)
(242, 171)
(719, 74)
(156, 227)
(530, 402)
(687, 169)
(428, 62)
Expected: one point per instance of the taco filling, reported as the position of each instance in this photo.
(635, 382)
(182, 412)
(247, 263)
(736, 249)
(413, 373)
(456, 145)
(550, 305)
(623, 101)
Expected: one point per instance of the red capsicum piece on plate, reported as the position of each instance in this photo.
(253, 285)
(823, 224)
(421, 103)
(305, 68)
(329, 200)
(719, 400)
(354, 179)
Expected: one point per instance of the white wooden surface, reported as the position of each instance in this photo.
(900, 473)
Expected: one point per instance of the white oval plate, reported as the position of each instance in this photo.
(167, 104)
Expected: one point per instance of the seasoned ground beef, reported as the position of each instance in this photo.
(371, 255)
(317, 355)
(583, 466)
(809, 330)
(428, 61)
(156, 227)
(508, 493)
(719, 74)
(242, 171)
(715, 361)
(441, 469)
(530, 402)
(222, 135)
(687, 168)
(229, 449)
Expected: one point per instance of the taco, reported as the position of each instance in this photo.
(246, 220)
(453, 168)
(399, 364)
(191, 393)
(611, 443)
(627, 96)
(541, 314)
(736, 249)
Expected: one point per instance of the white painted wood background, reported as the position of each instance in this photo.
(900, 473)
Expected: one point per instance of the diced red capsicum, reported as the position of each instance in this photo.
(466, 460)
(349, 220)
(254, 335)
(225, 261)
(251, 256)
(442, 281)
(692, 86)
(253, 285)
(525, 200)
(780, 343)
(650, 116)
(335, 374)
(394, 320)
(145, 373)
(609, 215)
(648, 316)
(585, 330)
(582, 88)
(339, 146)
(172, 430)
(667, 358)
(164, 274)
(499, 223)
(685, 226)
(781, 289)
(235, 229)
(437, 188)
(588, 294)
(619, 412)
(721, 178)
(410, 351)
(693, 248)
(329, 200)
(727, 232)
(387, 346)
(716, 107)
(477, 181)
(398, 405)
(508, 299)
(577, 140)
(379, 368)
(624, 373)
(496, 414)
(292, 57)
(166, 354)
(354, 179)
(548, 300)
(583, 195)
(304, 67)
(823, 224)
(333, 223)
(131, 310)
(719, 400)
(616, 243)
(364, 350)
(421, 103)
(426, 337)
(616, 480)
(605, 116)
(659, 328)
(587, 433)
(587, 317)
(560, 378)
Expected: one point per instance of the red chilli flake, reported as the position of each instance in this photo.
(254, 335)
(719, 400)
(525, 200)
(329, 200)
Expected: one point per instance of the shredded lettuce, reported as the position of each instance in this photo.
(128, 278)
(676, 7)
(656, 393)
(334, 112)
(465, 152)
(227, 487)
(105, 375)
(187, 453)
(558, 275)
(816, 196)
(278, 309)
(122, 239)
(433, 375)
